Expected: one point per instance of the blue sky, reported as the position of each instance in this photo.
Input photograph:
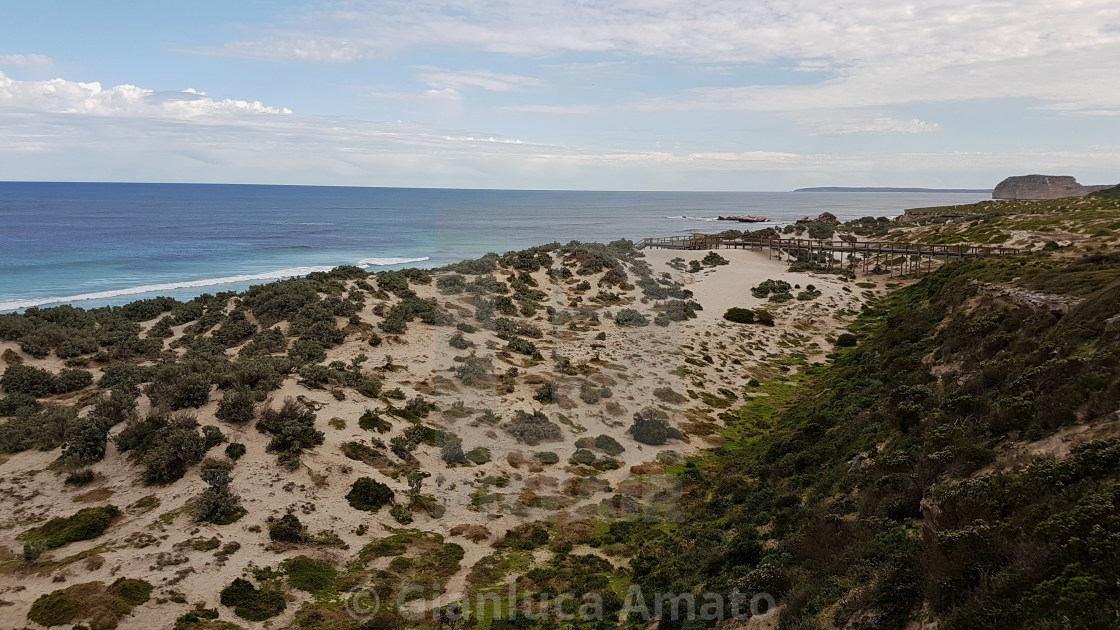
(650, 94)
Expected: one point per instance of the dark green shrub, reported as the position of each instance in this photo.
(582, 456)
(235, 451)
(369, 495)
(287, 529)
(80, 477)
(630, 317)
(236, 406)
(32, 381)
(102, 606)
(452, 450)
(218, 504)
(478, 455)
(371, 421)
(547, 457)
(608, 445)
(846, 340)
(459, 342)
(85, 524)
(532, 428)
(307, 574)
(475, 371)
(547, 393)
(164, 444)
(714, 260)
(250, 603)
(591, 394)
(651, 426)
(764, 317)
(739, 315)
(292, 428)
(521, 346)
(769, 287)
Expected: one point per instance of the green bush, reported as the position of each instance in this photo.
(591, 394)
(478, 455)
(739, 315)
(521, 346)
(547, 457)
(310, 575)
(371, 421)
(630, 317)
(103, 606)
(287, 529)
(85, 524)
(235, 451)
(846, 340)
(547, 393)
(651, 426)
(770, 288)
(369, 495)
(532, 428)
(28, 380)
(250, 603)
(292, 428)
(764, 317)
(582, 456)
(714, 260)
(218, 504)
(608, 445)
(236, 406)
(165, 444)
(452, 451)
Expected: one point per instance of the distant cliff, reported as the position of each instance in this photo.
(1039, 187)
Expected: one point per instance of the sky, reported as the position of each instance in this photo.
(561, 94)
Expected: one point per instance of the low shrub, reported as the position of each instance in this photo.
(251, 603)
(651, 426)
(102, 606)
(235, 450)
(85, 524)
(287, 529)
(371, 421)
(369, 495)
(532, 428)
(310, 575)
(478, 455)
(630, 317)
(739, 315)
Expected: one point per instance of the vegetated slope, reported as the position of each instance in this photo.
(897, 487)
(1087, 221)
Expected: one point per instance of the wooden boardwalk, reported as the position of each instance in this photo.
(884, 255)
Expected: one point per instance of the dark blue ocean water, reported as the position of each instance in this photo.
(93, 244)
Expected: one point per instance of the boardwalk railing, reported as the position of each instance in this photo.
(885, 254)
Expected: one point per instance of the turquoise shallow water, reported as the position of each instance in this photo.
(94, 244)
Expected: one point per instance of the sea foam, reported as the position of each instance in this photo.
(279, 274)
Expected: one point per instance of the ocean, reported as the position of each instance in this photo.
(96, 244)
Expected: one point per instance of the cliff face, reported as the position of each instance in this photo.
(1037, 187)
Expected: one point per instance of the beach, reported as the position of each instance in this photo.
(689, 370)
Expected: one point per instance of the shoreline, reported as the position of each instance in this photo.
(681, 369)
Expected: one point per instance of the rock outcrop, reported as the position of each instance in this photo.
(1040, 187)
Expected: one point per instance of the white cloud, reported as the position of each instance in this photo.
(484, 79)
(71, 130)
(872, 54)
(25, 60)
(846, 122)
(76, 97)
